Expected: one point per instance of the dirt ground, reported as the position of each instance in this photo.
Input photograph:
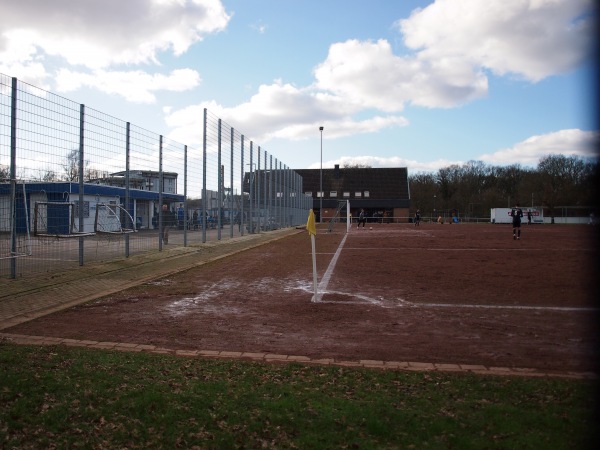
(456, 294)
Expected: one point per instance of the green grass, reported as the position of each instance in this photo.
(69, 397)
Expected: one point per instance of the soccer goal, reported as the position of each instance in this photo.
(341, 215)
(56, 219)
(113, 219)
(15, 237)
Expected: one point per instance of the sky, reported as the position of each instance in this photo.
(394, 83)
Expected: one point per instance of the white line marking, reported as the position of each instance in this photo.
(325, 280)
(474, 249)
(537, 308)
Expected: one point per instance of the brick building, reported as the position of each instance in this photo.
(382, 192)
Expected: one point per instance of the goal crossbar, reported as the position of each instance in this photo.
(108, 219)
(56, 220)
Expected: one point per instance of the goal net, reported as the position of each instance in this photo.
(15, 238)
(342, 214)
(113, 219)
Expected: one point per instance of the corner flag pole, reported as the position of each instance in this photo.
(312, 230)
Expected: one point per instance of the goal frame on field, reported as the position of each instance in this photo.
(18, 244)
(108, 219)
(65, 226)
(342, 204)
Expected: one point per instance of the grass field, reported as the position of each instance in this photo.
(434, 294)
(64, 397)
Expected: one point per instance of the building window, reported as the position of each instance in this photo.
(308, 193)
(333, 193)
(346, 194)
(366, 193)
(358, 194)
(319, 194)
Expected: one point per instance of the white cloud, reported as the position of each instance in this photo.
(573, 142)
(134, 86)
(100, 33)
(531, 38)
(455, 41)
(369, 75)
(282, 111)
(259, 27)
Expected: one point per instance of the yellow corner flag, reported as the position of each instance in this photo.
(310, 224)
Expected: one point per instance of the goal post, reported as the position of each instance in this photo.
(57, 219)
(53, 219)
(338, 216)
(348, 216)
(112, 218)
(15, 237)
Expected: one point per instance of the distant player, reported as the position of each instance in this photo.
(517, 214)
(417, 218)
(361, 219)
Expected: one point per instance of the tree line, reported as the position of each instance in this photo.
(473, 188)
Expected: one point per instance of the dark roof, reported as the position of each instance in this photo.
(66, 187)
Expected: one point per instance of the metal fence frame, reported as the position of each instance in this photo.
(49, 143)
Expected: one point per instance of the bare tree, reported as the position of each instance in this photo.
(71, 166)
(474, 187)
(50, 175)
(561, 175)
(4, 173)
(356, 166)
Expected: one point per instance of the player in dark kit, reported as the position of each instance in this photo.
(517, 214)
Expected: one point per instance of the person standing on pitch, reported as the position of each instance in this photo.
(517, 214)
(361, 219)
(169, 220)
(417, 218)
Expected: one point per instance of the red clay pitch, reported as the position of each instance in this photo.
(438, 294)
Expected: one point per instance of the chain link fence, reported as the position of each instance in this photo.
(78, 185)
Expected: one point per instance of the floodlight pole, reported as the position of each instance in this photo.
(321, 181)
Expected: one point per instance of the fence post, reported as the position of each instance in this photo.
(258, 203)
(81, 184)
(127, 182)
(265, 189)
(204, 179)
(251, 193)
(220, 188)
(242, 188)
(231, 218)
(13, 179)
(270, 193)
(185, 197)
(161, 183)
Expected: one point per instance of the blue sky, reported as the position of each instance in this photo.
(395, 83)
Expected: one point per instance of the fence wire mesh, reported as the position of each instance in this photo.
(79, 185)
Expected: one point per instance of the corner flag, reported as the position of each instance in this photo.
(310, 224)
